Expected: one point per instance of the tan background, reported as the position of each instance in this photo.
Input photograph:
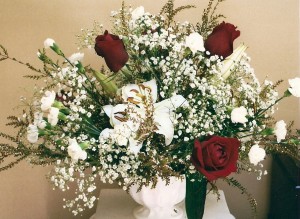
(270, 28)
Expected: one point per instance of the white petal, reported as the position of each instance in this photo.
(168, 105)
(178, 101)
(128, 91)
(105, 134)
(137, 13)
(108, 110)
(113, 111)
(230, 62)
(295, 87)
(153, 86)
(165, 126)
(134, 146)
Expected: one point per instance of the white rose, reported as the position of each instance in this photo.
(238, 115)
(32, 133)
(74, 58)
(137, 13)
(295, 87)
(256, 154)
(195, 42)
(47, 100)
(48, 43)
(280, 130)
(75, 151)
(53, 116)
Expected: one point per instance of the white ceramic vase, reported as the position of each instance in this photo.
(161, 201)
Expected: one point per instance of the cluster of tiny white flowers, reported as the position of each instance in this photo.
(66, 171)
(205, 116)
(117, 163)
(259, 171)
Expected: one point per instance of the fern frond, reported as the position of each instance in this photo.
(12, 164)
(35, 77)
(233, 182)
(170, 12)
(4, 51)
(8, 137)
(209, 18)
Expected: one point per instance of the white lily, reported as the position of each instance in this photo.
(230, 62)
(133, 93)
(163, 114)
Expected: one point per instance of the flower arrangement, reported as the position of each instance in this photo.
(177, 99)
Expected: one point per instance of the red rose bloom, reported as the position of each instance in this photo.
(112, 49)
(216, 156)
(220, 41)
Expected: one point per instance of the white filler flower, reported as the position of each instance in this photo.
(75, 151)
(195, 42)
(48, 43)
(47, 100)
(280, 130)
(295, 87)
(238, 115)
(256, 154)
(137, 13)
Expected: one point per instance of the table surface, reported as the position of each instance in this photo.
(117, 204)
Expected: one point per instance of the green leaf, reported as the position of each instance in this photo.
(195, 196)
(107, 84)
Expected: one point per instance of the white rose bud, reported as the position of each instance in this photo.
(195, 42)
(238, 115)
(48, 43)
(47, 100)
(280, 130)
(74, 58)
(256, 154)
(32, 133)
(53, 116)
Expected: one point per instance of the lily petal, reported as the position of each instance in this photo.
(129, 91)
(153, 86)
(165, 126)
(134, 146)
(115, 113)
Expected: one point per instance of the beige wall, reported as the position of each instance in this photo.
(270, 29)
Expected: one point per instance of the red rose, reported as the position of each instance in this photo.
(216, 156)
(112, 49)
(220, 41)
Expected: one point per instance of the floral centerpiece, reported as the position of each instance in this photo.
(177, 100)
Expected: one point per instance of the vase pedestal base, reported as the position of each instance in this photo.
(176, 212)
(117, 204)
